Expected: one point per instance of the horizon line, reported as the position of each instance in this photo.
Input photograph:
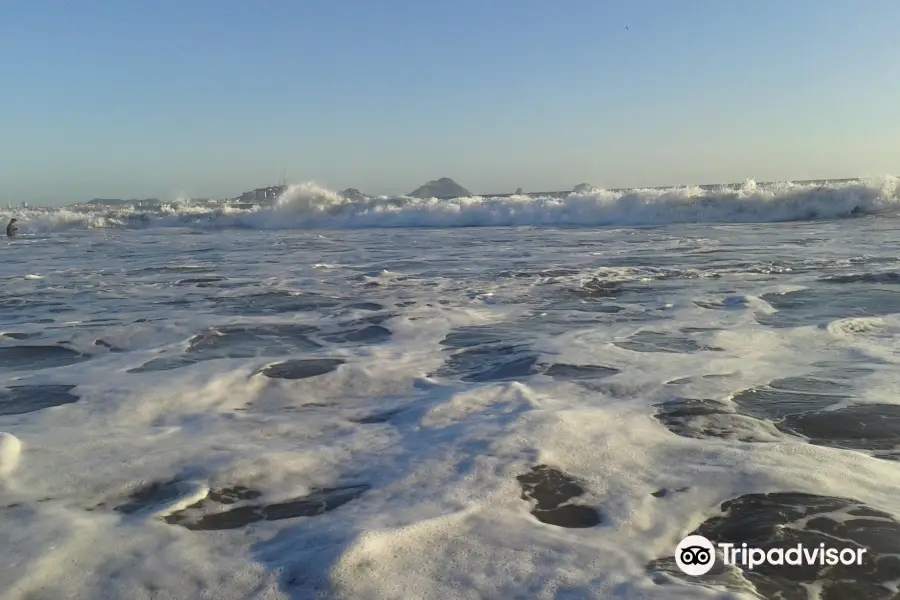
(505, 194)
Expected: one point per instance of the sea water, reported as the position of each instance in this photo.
(472, 398)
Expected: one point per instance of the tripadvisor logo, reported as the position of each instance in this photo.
(695, 555)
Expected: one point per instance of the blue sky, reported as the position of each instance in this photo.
(209, 98)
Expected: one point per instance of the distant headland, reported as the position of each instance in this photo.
(440, 188)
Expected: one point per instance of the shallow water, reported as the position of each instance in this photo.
(445, 413)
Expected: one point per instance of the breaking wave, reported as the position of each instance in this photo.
(309, 206)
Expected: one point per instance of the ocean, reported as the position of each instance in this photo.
(477, 398)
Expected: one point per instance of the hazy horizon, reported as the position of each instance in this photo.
(474, 192)
(212, 99)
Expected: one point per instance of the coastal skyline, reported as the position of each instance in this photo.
(208, 99)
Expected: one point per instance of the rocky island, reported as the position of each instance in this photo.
(440, 188)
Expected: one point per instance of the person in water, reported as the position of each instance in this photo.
(11, 229)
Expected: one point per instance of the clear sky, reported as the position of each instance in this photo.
(123, 98)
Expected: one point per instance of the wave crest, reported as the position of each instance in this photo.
(310, 206)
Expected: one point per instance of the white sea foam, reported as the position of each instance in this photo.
(308, 205)
(10, 452)
(437, 432)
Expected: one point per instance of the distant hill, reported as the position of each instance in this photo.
(440, 188)
(353, 194)
(581, 188)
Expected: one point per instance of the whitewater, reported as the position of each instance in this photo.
(310, 206)
(473, 398)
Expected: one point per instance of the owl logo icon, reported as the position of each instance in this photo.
(695, 555)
